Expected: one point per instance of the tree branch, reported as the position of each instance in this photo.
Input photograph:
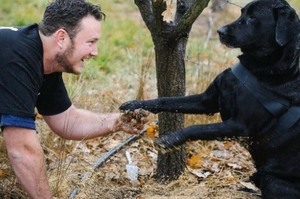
(145, 8)
(185, 23)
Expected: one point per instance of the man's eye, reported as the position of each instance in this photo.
(94, 41)
(90, 42)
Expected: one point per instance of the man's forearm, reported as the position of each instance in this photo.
(79, 124)
(27, 160)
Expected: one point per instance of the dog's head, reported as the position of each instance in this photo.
(264, 25)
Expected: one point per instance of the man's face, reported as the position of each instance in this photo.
(83, 46)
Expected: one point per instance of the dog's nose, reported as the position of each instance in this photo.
(222, 31)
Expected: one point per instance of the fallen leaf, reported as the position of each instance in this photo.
(194, 161)
(249, 185)
(229, 177)
(2, 173)
(200, 173)
(235, 166)
(151, 131)
(212, 166)
(93, 144)
(222, 154)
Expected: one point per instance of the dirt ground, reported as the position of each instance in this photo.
(218, 170)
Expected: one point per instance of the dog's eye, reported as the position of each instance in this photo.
(251, 18)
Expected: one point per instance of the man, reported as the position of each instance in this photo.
(32, 60)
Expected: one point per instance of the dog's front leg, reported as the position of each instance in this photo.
(193, 104)
(226, 129)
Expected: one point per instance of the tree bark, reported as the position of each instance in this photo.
(170, 40)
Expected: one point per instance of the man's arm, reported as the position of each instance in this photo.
(27, 160)
(79, 124)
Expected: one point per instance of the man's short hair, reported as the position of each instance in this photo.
(67, 14)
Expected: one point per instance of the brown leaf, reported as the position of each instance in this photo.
(195, 161)
(151, 131)
(93, 144)
(2, 173)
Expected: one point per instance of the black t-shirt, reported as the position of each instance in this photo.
(23, 86)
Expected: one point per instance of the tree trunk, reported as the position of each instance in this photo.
(170, 41)
(170, 72)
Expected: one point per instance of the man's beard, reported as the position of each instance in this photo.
(63, 61)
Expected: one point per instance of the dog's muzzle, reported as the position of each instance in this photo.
(223, 35)
(222, 31)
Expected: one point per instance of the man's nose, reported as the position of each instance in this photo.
(94, 52)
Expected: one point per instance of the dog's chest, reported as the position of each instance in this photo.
(237, 102)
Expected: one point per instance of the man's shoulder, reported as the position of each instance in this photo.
(29, 31)
(23, 41)
(15, 34)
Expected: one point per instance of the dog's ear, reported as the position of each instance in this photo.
(287, 25)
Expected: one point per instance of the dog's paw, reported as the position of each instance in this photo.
(131, 105)
(168, 143)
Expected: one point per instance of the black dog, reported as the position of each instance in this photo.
(259, 98)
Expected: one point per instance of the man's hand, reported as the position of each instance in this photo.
(132, 121)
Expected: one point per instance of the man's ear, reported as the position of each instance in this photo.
(61, 37)
(287, 26)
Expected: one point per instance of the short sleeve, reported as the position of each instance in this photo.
(53, 97)
(21, 55)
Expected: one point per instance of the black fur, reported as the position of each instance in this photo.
(267, 32)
